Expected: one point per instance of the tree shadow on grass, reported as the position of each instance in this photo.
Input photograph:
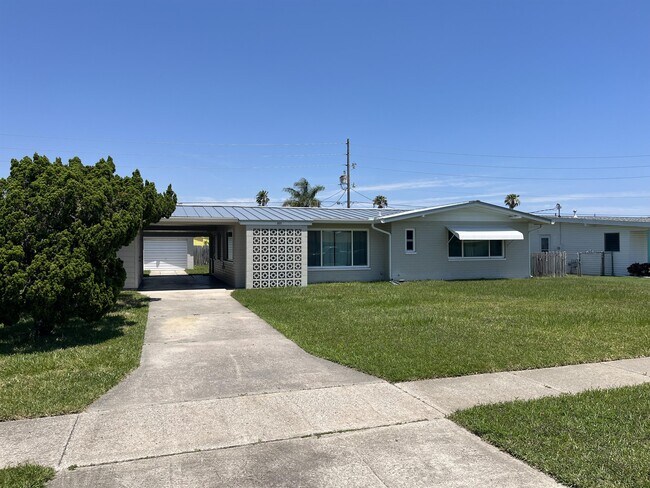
(21, 338)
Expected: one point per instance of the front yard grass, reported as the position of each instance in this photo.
(593, 439)
(199, 269)
(25, 476)
(41, 376)
(435, 328)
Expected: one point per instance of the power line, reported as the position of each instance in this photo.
(118, 153)
(364, 196)
(179, 143)
(238, 168)
(333, 195)
(333, 204)
(510, 177)
(544, 210)
(341, 196)
(470, 165)
(222, 166)
(510, 156)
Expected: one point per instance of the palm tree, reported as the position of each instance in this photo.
(380, 201)
(262, 198)
(512, 200)
(302, 194)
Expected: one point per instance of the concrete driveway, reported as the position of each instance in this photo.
(204, 345)
(222, 399)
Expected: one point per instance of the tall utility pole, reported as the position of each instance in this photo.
(349, 185)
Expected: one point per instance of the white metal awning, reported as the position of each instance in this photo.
(485, 233)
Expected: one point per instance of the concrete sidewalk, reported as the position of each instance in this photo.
(450, 394)
(222, 399)
(423, 454)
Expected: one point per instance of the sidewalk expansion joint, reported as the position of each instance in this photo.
(514, 373)
(242, 395)
(431, 405)
(68, 440)
(250, 444)
(610, 365)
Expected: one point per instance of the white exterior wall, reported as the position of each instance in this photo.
(431, 258)
(233, 272)
(578, 237)
(131, 256)
(377, 269)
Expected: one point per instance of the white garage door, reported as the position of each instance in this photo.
(165, 254)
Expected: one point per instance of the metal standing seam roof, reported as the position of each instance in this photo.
(421, 212)
(285, 214)
(230, 213)
(602, 218)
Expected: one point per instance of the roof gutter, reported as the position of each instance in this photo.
(390, 249)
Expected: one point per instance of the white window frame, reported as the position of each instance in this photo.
(545, 236)
(406, 241)
(476, 258)
(341, 268)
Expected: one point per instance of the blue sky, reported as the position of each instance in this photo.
(443, 101)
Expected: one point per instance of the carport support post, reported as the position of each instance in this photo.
(211, 254)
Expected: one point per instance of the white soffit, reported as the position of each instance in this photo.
(485, 233)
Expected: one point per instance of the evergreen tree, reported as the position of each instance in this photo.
(61, 226)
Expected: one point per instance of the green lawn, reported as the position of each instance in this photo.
(25, 476)
(594, 439)
(66, 372)
(435, 328)
(198, 269)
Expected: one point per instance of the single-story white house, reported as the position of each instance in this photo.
(261, 247)
(604, 245)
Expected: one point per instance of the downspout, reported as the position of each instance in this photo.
(530, 267)
(390, 250)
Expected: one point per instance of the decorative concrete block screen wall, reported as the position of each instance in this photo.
(276, 257)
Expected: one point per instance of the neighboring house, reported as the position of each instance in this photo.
(260, 247)
(607, 245)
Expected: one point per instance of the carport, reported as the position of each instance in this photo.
(248, 247)
(164, 250)
(168, 252)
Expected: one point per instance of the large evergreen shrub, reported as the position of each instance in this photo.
(61, 226)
